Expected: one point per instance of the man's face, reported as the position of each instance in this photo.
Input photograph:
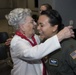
(45, 28)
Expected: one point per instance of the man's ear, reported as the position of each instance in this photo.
(55, 28)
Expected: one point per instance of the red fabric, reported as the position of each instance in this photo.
(24, 37)
(33, 44)
(44, 69)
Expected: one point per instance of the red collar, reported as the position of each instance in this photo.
(24, 37)
(33, 44)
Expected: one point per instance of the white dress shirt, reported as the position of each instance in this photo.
(27, 59)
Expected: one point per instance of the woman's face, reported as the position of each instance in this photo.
(45, 28)
(42, 8)
(29, 27)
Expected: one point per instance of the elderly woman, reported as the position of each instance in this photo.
(25, 52)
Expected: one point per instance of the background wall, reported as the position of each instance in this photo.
(5, 7)
(66, 8)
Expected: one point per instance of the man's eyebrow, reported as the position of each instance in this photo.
(39, 23)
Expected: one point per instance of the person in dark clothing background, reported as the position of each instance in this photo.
(44, 7)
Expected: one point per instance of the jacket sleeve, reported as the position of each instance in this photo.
(72, 60)
(69, 56)
(22, 49)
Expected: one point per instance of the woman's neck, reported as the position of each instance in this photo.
(26, 34)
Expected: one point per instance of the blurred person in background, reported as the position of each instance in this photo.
(44, 7)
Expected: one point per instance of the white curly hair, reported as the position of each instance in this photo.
(17, 16)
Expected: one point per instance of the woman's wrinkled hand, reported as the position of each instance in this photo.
(65, 33)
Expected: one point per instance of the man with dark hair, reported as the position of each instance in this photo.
(62, 61)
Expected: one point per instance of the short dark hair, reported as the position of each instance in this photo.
(54, 18)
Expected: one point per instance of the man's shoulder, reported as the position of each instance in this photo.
(68, 42)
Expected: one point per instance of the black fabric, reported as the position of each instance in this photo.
(3, 52)
(3, 37)
(74, 33)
